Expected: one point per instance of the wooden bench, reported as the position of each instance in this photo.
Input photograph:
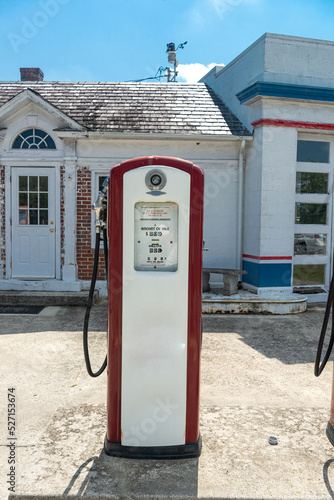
(230, 278)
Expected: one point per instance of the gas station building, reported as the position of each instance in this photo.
(261, 127)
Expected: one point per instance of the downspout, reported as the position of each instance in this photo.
(240, 203)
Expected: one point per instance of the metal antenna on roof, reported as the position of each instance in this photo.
(171, 52)
(171, 73)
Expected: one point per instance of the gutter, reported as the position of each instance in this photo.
(240, 203)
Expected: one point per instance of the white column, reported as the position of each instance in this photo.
(69, 268)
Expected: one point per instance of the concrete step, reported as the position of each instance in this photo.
(34, 298)
(243, 302)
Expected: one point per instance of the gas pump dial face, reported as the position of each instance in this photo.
(156, 236)
(155, 179)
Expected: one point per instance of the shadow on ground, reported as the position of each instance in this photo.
(128, 478)
(292, 339)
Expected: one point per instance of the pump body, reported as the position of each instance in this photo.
(155, 218)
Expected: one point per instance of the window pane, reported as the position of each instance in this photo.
(23, 217)
(41, 144)
(310, 244)
(102, 178)
(313, 274)
(43, 183)
(43, 217)
(33, 200)
(23, 200)
(33, 186)
(43, 200)
(311, 182)
(40, 133)
(313, 151)
(23, 183)
(17, 143)
(26, 133)
(33, 217)
(25, 145)
(50, 143)
(311, 213)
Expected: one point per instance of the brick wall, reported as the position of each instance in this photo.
(85, 254)
(2, 222)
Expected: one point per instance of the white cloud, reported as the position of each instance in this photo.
(191, 73)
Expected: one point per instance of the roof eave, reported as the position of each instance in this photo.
(168, 136)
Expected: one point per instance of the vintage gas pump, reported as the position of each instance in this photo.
(320, 365)
(155, 218)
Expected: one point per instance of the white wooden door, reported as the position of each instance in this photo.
(33, 223)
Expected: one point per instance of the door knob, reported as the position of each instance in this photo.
(52, 230)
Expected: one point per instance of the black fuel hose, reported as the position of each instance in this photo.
(318, 368)
(90, 302)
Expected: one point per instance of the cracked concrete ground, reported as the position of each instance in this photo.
(256, 381)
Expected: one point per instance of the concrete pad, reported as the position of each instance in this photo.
(268, 302)
(257, 381)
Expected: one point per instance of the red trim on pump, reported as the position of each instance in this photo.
(194, 303)
(115, 230)
(115, 214)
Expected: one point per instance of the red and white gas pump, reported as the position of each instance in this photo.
(155, 218)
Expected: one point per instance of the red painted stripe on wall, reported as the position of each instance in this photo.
(247, 256)
(292, 124)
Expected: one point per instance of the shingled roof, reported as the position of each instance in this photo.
(172, 108)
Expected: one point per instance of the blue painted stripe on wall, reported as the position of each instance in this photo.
(286, 90)
(267, 275)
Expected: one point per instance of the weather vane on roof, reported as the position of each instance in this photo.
(171, 52)
(167, 72)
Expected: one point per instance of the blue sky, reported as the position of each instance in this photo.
(108, 40)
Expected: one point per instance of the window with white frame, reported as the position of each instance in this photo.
(33, 138)
(312, 151)
(102, 178)
(97, 184)
(313, 206)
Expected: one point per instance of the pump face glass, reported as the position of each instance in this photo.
(156, 235)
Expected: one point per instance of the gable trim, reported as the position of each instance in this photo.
(29, 95)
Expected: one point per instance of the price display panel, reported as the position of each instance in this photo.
(156, 234)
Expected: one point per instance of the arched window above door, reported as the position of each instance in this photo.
(33, 138)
